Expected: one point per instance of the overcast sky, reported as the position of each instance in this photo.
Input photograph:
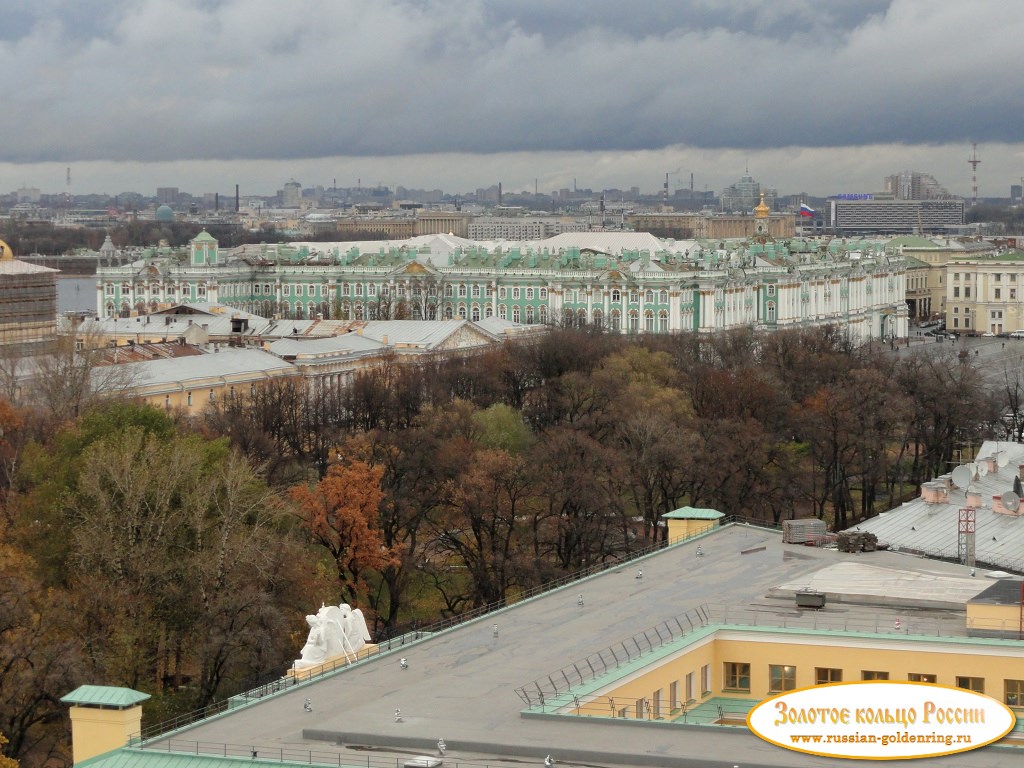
(812, 95)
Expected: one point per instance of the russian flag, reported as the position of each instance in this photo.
(806, 210)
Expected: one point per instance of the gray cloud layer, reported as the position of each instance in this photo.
(163, 80)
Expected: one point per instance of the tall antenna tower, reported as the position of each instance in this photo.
(67, 189)
(974, 162)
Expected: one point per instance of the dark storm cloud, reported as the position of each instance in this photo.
(155, 80)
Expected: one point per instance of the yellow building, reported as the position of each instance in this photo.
(685, 522)
(712, 226)
(985, 294)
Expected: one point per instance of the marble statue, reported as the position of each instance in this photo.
(334, 630)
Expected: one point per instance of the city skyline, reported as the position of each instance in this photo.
(810, 97)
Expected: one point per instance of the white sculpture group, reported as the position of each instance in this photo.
(334, 630)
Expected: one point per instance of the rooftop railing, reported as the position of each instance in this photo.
(274, 683)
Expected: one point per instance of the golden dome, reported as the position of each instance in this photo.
(761, 211)
(6, 254)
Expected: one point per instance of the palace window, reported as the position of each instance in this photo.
(663, 297)
(649, 297)
(781, 677)
(663, 321)
(462, 291)
(1014, 693)
(515, 313)
(476, 291)
(648, 320)
(371, 290)
(616, 296)
(737, 676)
(634, 297)
(529, 315)
(869, 674)
(515, 293)
(529, 293)
(976, 684)
(286, 290)
(359, 289)
(823, 675)
(543, 294)
(448, 291)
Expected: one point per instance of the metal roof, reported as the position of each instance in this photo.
(693, 513)
(18, 267)
(183, 370)
(104, 696)
(330, 345)
(932, 528)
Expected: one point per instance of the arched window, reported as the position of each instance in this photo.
(598, 318)
(529, 315)
(529, 293)
(515, 313)
(663, 297)
(476, 291)
(543, 313)
(462, 291)
(581, 317)
(448, 312)
(616, 296)
(502, 311)
(663, 321)
(448, 291)
(648, 321)
(649, 297)
(771, 311)
(489, 311)
(462, 311)
(476, 313)
(634, 321)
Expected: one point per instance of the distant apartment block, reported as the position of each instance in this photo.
(515, 228)
(167, 195)
(894, 216)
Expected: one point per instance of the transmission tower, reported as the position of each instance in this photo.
(974, 163)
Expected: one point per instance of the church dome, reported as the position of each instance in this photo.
(761, 210)
(164, 213)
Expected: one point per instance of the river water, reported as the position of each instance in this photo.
(76, 294)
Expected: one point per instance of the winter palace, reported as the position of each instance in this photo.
(626, 282)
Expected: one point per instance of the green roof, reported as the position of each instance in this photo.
(913, 241)
(131, 757)
(693, 513)
(104, 696)
(204, 236)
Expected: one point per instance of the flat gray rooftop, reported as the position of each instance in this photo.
(460, 683)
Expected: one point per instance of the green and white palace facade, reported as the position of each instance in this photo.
(625, 282)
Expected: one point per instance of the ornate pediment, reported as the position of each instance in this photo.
(414, 269)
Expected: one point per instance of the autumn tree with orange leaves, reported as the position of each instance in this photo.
(341, 511)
